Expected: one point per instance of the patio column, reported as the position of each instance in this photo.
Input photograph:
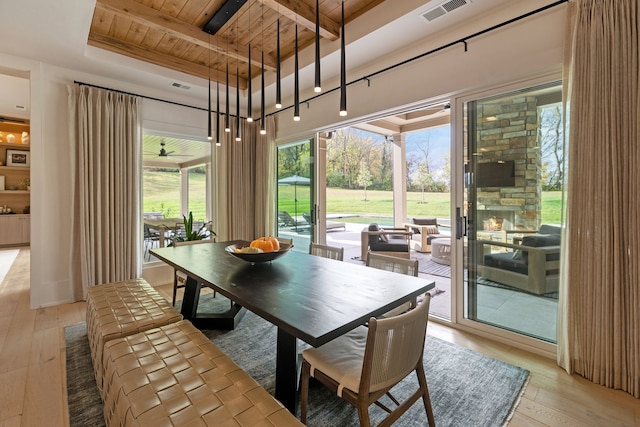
(184, 191)
(399, 180)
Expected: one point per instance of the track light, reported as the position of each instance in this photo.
(343, 70)
(296, 88)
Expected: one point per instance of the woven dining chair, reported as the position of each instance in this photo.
(325, 251)
(365, 364)
(397, 265)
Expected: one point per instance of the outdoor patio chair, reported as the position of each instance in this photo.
(366, 363)
(424, 231)
(325, 251)
(386, 241)
(329, 225)
(286, 220)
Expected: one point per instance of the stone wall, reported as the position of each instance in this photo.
(508, 130)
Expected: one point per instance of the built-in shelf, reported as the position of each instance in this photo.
(15, 168)
(14, 192)
(15, 145)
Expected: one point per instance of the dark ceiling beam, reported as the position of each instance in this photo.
(223, 15)
(167, 24)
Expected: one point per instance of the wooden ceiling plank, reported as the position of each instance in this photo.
(176, 28)
(163, 60)
(305, 16)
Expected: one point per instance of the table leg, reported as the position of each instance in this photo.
(287, 371)
(190, 298)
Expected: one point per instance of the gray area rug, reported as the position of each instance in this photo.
(466, 387)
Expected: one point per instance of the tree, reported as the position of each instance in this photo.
(551, 139)
(364, 178)
(425, 179)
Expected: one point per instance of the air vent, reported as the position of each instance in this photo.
(444, 8)
(180, 85)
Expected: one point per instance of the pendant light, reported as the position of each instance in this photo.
(209, 131)
(263, 124)
(317, 87)
(249, 106)
(278, 83)
(343, 70)
(238, 138)
(227, 127)
(296, 88)
(218, 136)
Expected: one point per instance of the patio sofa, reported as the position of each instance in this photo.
(385, 241)
(532, 265)
(424, 231)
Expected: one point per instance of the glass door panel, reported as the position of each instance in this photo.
(295, 193)
(514, 160)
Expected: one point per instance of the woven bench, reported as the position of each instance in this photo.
(115, 310)
(174, 376)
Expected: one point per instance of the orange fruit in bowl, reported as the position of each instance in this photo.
(267, 244)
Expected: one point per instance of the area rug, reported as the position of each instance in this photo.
(466, 387)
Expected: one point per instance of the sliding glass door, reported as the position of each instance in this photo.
(295, 193)
(514, 162)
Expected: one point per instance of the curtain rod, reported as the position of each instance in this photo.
(462, 40)
(147, 97)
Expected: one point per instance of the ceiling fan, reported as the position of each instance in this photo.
(164, 153)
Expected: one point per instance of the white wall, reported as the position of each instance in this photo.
(515, 52)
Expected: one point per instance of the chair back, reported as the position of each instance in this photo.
(391, 263)
(325, 251)
(285, 241)
(395, 346)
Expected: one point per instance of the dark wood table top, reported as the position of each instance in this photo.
(312, 298)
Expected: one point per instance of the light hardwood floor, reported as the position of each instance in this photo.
(32, 369)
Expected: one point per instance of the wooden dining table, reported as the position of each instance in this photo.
(306, 297)
(162, 225)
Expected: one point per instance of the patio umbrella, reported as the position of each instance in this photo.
(295, 180)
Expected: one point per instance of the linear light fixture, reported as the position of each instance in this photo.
(238, 138)
(227, 127)
(209, 131)
(296, 88)
(249, 106)
(343, 69)
(218, 136)
(317, 87)
(278, 82)
(263, 124)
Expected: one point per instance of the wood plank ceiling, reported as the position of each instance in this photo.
(169, 33)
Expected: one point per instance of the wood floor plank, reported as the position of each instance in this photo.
(12, 389)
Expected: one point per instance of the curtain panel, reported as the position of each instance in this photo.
(599, 335)
(244, 183)
(105, 137)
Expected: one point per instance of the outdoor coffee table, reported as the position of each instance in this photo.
(307, 297)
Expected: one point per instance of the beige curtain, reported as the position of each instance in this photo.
(600, 314)
(105, 136)
(244, 183)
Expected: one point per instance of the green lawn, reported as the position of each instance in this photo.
(162, 194)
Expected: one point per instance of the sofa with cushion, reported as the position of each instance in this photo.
(424, 231)
(532, 265)
(385, 241)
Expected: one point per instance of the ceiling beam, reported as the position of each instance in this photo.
(162, 60)
(168, 24)
(305, 16)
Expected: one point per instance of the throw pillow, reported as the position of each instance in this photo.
(432, 229)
